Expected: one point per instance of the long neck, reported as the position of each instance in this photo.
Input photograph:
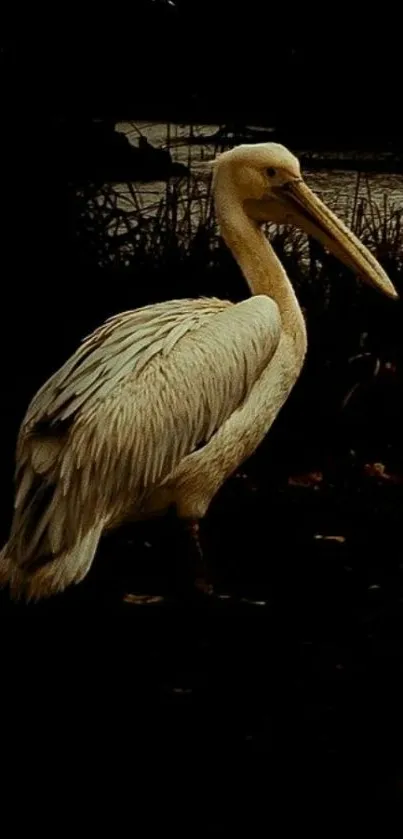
(260, 266)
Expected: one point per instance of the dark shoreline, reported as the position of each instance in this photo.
(377, 164)
(313, 153)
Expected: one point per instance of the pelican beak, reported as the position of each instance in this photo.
(305, 210)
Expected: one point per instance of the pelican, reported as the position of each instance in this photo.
(161, 404)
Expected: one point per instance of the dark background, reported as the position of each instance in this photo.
(104, 692)
(328, 72)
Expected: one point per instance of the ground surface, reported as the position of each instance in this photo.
(296, 696)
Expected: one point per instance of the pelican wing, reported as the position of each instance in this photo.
(142, 392)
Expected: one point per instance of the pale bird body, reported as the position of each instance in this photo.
(160, 405)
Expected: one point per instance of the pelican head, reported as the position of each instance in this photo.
(266, 179)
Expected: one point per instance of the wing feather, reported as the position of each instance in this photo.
(139, 395)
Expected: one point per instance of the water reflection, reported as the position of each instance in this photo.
(379, 193)
(333, 185)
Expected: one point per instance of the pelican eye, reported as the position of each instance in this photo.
(271, 172)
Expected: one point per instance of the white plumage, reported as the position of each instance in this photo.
(161, 404)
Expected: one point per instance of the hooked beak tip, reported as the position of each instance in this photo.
(391, 292)
(388, 291)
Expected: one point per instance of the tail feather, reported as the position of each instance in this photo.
(5, 567)
(54, 574)
(53, 539)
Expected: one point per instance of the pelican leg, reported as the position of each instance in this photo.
(197, 565)
(192, 576)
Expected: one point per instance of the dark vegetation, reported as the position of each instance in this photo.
(300, 698)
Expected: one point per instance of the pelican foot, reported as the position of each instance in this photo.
(143, 599)
(202, 586)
